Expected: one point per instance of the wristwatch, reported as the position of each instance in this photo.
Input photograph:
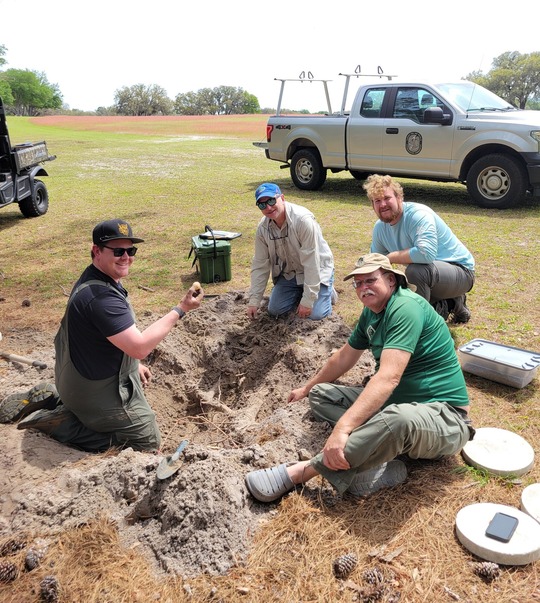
(179, 311)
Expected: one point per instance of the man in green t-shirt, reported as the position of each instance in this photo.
(415, 404)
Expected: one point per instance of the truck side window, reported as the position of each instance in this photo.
(372, 103)
(412, 102)
(407, 105)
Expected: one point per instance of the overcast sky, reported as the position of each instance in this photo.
(91, 49)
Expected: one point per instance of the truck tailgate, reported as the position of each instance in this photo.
(326, 133)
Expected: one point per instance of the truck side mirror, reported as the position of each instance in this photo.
(435, 115)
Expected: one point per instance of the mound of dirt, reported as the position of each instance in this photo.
(219, 380)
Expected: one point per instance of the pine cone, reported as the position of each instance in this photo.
(371, 595)
(487, 570)
(373, 576)
(34, 555)
(344, 565)
(49, 590)
(8, 571)
(11, 546)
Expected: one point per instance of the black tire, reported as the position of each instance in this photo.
(37, 204)
(497, 181)
(307, 171)
(358, 175)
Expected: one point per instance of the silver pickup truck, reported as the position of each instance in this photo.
(455, 132)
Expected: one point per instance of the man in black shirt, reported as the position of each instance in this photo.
(98, 348)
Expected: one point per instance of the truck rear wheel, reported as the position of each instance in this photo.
(37, 204)
(307, 171)
(497, 182)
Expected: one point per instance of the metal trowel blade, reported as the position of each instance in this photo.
(170, 464)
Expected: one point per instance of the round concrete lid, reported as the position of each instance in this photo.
(524, 546)
(530, 501)
(499, 451)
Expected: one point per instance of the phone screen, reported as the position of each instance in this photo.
(502, 527)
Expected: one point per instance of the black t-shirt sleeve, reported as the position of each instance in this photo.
(109, 314)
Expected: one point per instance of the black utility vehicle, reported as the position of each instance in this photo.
(19, 167)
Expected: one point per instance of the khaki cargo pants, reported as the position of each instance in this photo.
(421, 431)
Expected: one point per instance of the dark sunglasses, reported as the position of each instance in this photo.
(118, 252)
(262, 204)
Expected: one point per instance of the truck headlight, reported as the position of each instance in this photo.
(536, 135)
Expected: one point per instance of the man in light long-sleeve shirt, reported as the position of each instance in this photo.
(412, 234)
(290, 248)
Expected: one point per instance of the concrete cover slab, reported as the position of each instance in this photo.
(524, 546)
(530, 501)
(499, 451)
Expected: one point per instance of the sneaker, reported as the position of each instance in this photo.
(460, 313)
(46, 420)
(17, 406)
(386, 475)
(441, 307)
(334, 297)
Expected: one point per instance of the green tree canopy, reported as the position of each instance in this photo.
(222, 100)
(514, 77)
(31, 92)
(5, 90)
(142, 100)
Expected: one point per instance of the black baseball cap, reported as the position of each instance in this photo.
(111, 230)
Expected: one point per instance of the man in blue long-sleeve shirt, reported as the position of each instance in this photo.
(412, 234)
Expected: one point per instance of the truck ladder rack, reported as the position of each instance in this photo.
(357, 73)
(302, 78)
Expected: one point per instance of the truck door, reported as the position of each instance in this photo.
(408, 144)
(364, 132)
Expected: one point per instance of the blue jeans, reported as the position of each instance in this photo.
(286, 295)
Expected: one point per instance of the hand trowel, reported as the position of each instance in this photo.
(170, 464)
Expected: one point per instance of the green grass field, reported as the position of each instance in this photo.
(170, 177)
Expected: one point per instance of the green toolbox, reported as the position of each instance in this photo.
(213, 258)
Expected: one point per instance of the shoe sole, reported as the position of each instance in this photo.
(14, 407)
(44, 423)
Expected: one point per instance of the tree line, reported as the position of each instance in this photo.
(514, 77)
(26, 92)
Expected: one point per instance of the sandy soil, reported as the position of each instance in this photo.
(220, 381)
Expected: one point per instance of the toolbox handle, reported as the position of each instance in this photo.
(209, 229)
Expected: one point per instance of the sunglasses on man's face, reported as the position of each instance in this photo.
(118, 252)
(262, 204)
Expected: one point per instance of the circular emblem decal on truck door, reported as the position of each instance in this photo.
(413, 143)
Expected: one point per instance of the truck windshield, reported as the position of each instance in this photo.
(469, 96)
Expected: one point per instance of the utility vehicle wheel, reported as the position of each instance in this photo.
(497, 182)
(38, 204)
(307, 171)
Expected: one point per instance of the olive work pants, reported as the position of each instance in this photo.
(440, 280)
(421, 431)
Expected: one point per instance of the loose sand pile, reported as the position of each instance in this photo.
(219, 380)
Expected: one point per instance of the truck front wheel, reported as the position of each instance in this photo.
(307, 171)
(37, 204)
(497, 182)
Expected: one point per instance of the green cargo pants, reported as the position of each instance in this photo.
(421, 431)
